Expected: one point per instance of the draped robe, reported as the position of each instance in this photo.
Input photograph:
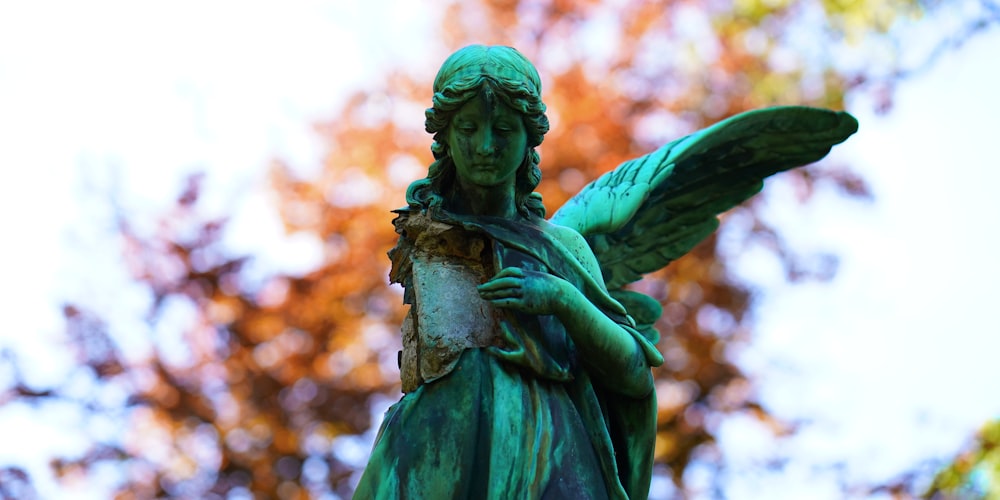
(508, 413)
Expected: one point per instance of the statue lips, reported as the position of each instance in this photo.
(487, 168)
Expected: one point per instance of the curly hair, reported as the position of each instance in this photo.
(509, 76)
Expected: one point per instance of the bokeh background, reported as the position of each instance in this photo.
(195, 214)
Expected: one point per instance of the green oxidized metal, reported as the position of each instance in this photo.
(526, 366)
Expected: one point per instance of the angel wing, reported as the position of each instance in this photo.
(653, 209)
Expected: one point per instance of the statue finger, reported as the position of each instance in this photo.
(512, 271)
(501, 293)
(510, 302)
(500, 283)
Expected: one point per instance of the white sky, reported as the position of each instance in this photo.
(896, 360)
(890, 364)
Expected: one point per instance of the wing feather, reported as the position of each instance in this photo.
(651, 210)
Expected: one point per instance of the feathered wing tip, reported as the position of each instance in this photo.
(651, 210)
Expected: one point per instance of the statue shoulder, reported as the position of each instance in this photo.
(568, 236)
(577, 245)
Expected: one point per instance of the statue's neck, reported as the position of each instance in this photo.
(478, 200)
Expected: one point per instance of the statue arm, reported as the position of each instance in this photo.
(604, 344)
(611, 352)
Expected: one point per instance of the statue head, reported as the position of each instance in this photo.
(506, 76)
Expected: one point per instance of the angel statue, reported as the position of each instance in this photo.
(525, 362)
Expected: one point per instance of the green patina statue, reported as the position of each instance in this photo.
(525, 363)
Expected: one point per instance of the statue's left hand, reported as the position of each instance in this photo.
(531, 292)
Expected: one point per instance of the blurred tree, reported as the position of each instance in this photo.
(975, 473)
(280, 376)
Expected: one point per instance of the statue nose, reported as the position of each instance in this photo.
(486, 143)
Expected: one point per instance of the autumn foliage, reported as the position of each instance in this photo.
(283, 375)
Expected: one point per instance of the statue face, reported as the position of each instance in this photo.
(488, 142)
